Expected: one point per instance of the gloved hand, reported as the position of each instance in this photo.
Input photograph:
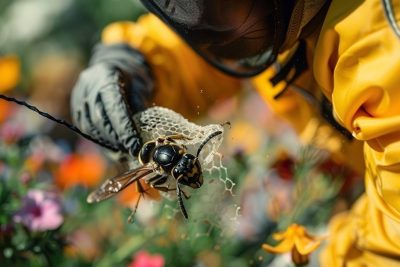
(116, 84)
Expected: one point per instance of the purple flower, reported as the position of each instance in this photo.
(40, 211)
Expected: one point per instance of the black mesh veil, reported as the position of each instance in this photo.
(241, 38)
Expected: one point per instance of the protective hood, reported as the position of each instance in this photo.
(241, 38)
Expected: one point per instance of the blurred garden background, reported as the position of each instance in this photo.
(47, 171)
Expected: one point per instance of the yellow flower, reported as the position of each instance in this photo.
(9, 72)
(245, 136)
(298, 241)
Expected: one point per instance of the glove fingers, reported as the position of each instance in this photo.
(119, 117)
(99, 109)
(77, 103)
(88, 126)
(138, 98)
(86, 110)
(103, 122)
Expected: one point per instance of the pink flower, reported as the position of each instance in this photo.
(41, 211)
(10, 132)
(144, 259)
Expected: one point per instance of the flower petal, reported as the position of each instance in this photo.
(41, 211)
(10, 72)
(279, 236)
(144, 259)
(306, 245)
(130, 195)
(285, 246)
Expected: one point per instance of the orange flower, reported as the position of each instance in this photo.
(298, 241)
(6, 109)
(34, 163)
(86, 170)
(9, 72)
(130, 195)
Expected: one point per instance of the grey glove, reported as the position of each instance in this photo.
(116, 84)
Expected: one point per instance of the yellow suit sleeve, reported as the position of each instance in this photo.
(366, 100)
(357, 63)
(183, 80)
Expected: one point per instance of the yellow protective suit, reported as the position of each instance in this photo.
(355, 63)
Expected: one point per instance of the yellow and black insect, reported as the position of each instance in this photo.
(165, 166)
